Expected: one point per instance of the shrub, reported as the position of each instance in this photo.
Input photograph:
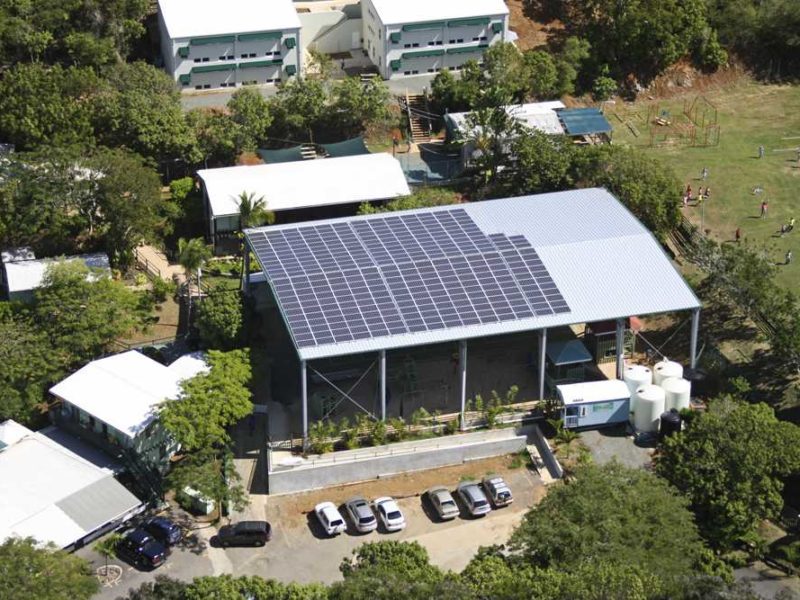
(179, 189)
(378, 434)
(162, 289)
(603, 88)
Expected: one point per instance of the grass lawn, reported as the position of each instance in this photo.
(749, 115)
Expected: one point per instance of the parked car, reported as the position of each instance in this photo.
(497, 489)
(474, 498)
(164, 530)
(141, 549)
(361, 514)
(443, 503)
(245, 533)
(330, 518)
(390, 514)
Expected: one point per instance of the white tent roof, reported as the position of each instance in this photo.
(198, 18)
(306, 183)
(538, 115)
(415, 11)
(593, 391)
(124, 390)
(45, 491)
(27, 275)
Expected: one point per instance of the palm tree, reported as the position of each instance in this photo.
(192, 256)
(252, 213)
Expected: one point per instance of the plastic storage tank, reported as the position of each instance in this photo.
(666, 368)
(649, 406)
(677, 392)
(670, 424)
(636, 376)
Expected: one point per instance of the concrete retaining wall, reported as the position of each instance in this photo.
(363, 465)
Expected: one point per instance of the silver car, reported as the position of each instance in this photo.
(361, 514)
(443, 503)
(498, 490)
(475, 500)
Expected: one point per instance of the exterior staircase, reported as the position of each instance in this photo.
(308, 151)
(416, 107)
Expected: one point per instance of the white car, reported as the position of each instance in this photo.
(389, 514)
(497, 490)
(330, 518)
(361, 514)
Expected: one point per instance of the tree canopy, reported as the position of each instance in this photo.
(219, 320)
(730, 462)
(27, 571)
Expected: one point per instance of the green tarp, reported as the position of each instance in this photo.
(584, 121)
(281, 155)
(352, 147)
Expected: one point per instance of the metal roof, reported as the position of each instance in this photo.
(393, 12)
(25, 275)
(541, 116)
(307, 183)
(584, 121)
(198, 18)
(593, 391)
(567, 352)
(606, 264)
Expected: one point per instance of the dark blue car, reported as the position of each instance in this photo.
(140, 549)
(164, 530)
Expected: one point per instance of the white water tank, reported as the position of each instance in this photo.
(649, 406)
(635, 376)
(677, 393)
(666, 368)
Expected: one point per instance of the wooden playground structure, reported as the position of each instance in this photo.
(696, 125)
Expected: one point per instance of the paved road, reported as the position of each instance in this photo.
(300, 552)
(615, 443)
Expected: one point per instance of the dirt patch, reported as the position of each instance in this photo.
(293, 509)
(531, 34)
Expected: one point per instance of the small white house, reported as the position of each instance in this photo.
(22, 276)
(594, 403)
(208, 44)
(113, 403)
(411, 37)
(299, 186)
(51, 494)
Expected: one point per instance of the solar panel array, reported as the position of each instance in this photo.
(401, 274)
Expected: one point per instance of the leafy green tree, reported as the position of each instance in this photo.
(219, 320)
(299, 107)
(420, 198)
(250, 112)
(630, 512)
(253, 211)
(212, 473)
(211, 402)
(163, 588)
(542, 163)
(603, 88)
(87, 50)
(355, 105)
(28, 365)
(46, 106)
(730, 463)
(107, 548)
(542, 74)
(28, 571)
(192, 256)
(83, 313)
(505, 68)
(217, 136)
(228, 587)
(570, 60)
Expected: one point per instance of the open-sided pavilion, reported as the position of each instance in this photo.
(371, 284)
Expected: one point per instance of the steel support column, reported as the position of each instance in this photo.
(304, 400)
(693, 342)
(620, 347)
(462, 369)
(382, 378)
(246, 279)
(542, 360)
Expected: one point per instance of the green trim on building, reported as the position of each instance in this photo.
(467, 50)
(395, 36)
(220, 39)
(468, 22)
(290, 42)
(212, 68)
(185, 79)
(183, 51)
(396, 64)
(256, 64)
(291, 70)
(421, 26)
(264, 35)
(423, 53)
(497, 27)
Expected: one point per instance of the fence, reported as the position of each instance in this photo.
(145, 265)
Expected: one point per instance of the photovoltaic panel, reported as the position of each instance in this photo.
(397, 274)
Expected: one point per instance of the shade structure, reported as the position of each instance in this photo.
(584, 121)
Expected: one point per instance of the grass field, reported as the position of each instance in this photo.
(749, 115)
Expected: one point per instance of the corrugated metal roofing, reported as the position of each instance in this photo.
(606, 264)
(584, 121)
(541, 116)
(98, 503)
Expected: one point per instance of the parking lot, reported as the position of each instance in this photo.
(299, 550)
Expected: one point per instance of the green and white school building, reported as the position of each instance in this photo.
(207, 44)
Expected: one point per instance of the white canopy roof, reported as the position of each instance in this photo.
(306, 183)
(198, 18)
(52, 495)
(27, 275)
(124, 390)
(593, 391)
(538, 115)
(393, 12)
